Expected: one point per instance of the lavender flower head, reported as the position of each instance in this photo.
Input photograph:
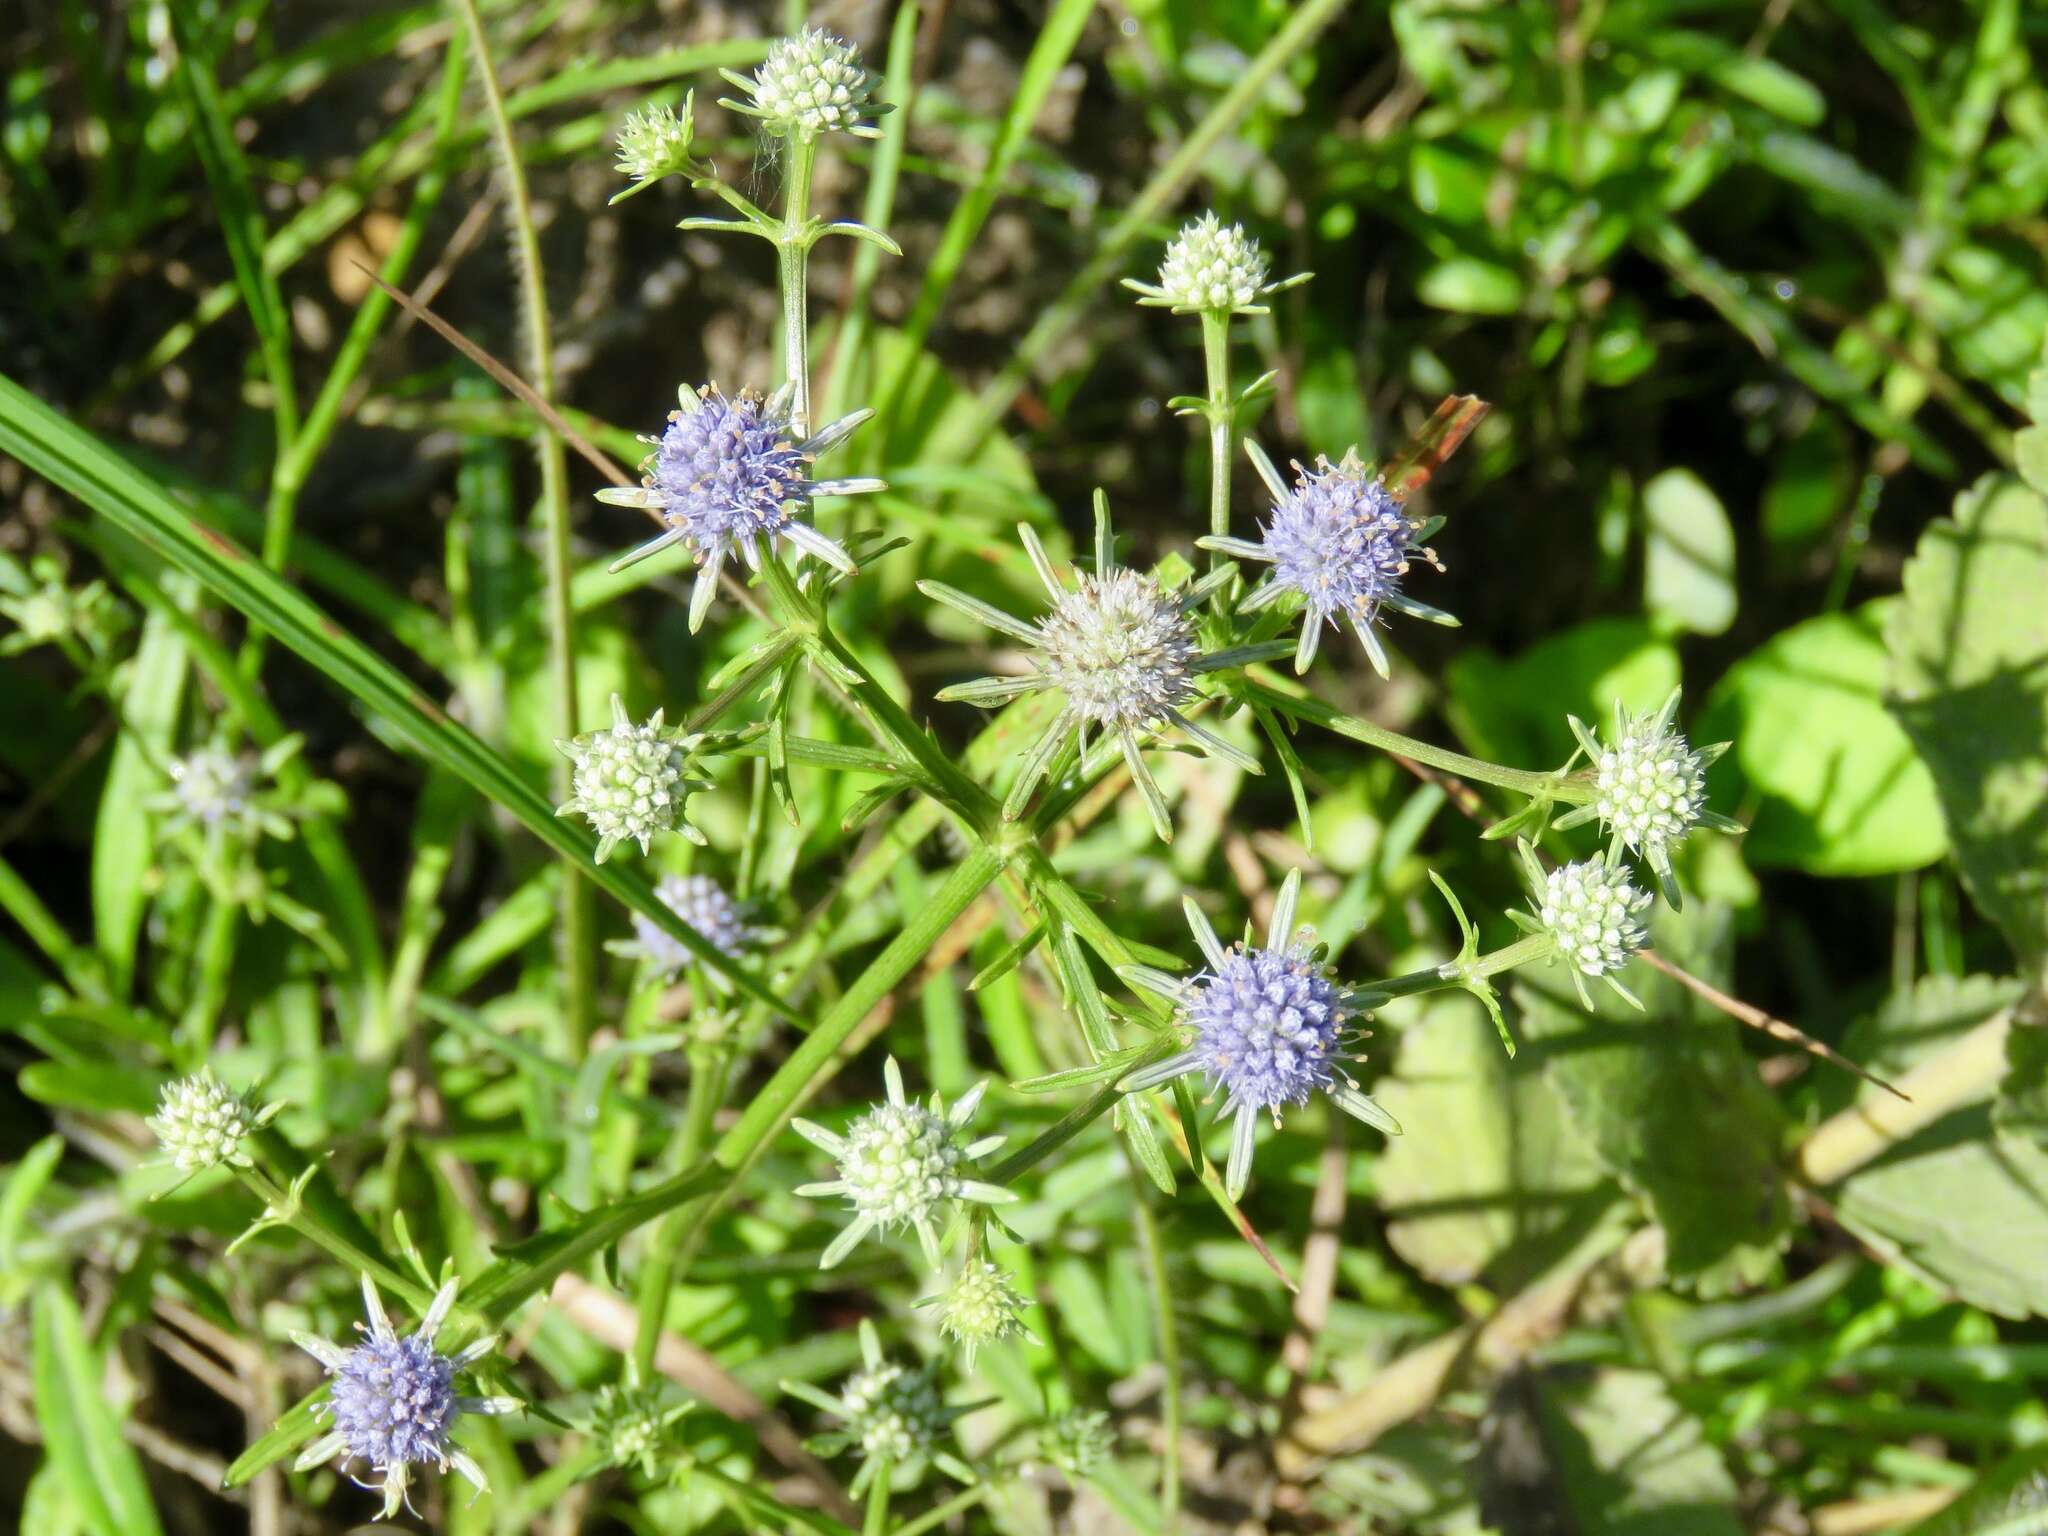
(732, 475)
(703, 903)
(901, 1165)
(1122, 653)
(1270, 1028)
(1339, 540)
(891, 1413)
(1650, 788)
(393, 1400)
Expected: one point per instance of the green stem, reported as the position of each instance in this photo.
(1154, 1244)
(877, 1521)
(1216, 362)
(1536, 946)
(939, 1514)
(794, 249)
(705, 1094)
(579, 927)
(1519, 780)
(303, 1218)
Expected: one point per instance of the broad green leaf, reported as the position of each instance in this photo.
(1513, 710)
(1836, 784)
(1667, 1099)
(83, 466)
(1957, 1204)
(2009, 1499)
(1470, 286)
(295, 1427)
(1523, 1182)
(1809, 482)
(80, 1432)
(1689, 555)
(1969, 648)
(1610, 1454)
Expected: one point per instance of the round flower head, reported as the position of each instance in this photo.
(1340, 541)
(1594, 913)
(810, 84)
(1270, 1028)
(1120, 651)
(1650, 788)
(655, 142)
(202, 1124)
(981, 1306)
(631, 1425)
(733, 475)
(1078, 1441)
(901, 1165)
(890, 1413)
(219, 792)
(394, 1401)
(701, 902)
(1211, 269)
(629, 781)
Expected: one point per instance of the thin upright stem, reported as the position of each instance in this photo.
(1154, 1244)
(706, 1092)
(578, 932)
(794, 248)
(1216, 362)
(877, 1521)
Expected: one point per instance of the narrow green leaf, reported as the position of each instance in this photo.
(80, 1432)
(78, 462)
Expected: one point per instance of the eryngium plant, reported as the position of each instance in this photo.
(658, 1109)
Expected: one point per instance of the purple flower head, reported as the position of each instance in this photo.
(1339, 540)
(393, 1399)
(1270, 1028)
(1269, 1025)
(701, 902)
(731, 475)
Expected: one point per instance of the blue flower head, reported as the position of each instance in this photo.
(703, 903)
(1340, 541)
(731, 474)
(393, 1399)
(1270, 1028)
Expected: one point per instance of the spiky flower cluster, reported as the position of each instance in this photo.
(630, 781)
(201, 1123)
(631, 1425)
(1269, 1026)
(888, 1412)
(1595, 913)
(1119, 649)
(731, 475)
(1120, 652)
(902, 1165)
(394, 1401)
(1211, 268)
(810, 84)
(655, 142)
(981, 1306)
(1078, 1441)
(213, 784)
(1340, 541)
(701, 902)
(1650, 788)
